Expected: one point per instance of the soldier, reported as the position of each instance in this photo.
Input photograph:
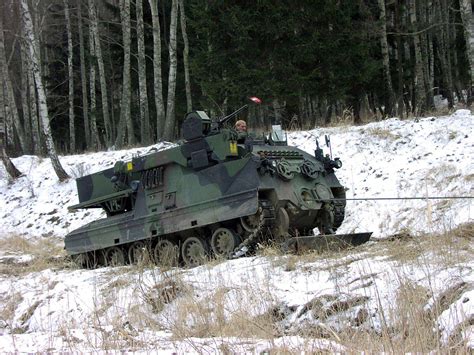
(241, 126)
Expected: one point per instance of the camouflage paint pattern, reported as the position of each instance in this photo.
(213, 178)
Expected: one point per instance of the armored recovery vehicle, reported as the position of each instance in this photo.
(219, 192)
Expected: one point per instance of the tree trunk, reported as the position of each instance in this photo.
(70, 53)
(10, 168)
(386, 59)
(443, 51)
(399, 54)
(425, 39)
(95, 140)
(85, 101)
(468, 24)
(157, 77)
(13, 109)
(419, 100)
(102, 79)
(38, 147)
(187, 79)
(42, 104)
(143, 94)
(24, 99)
(173, 60)
(125, 112)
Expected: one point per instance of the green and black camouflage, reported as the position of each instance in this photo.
(218, 192)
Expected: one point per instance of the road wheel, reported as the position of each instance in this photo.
(223, 242)
(114, 256)
(166, 253)
(138, 253)
(194, 251)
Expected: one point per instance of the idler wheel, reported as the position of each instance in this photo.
(223, 242)
(282, 223)
(166, 253)
(138, 253)
(194, 251)
(114, 256)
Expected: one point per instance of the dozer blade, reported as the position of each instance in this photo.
(325, 242)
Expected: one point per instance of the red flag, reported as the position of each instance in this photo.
(255, 99)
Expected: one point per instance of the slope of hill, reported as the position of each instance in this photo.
(410, 289)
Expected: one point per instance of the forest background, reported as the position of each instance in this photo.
(81, 75)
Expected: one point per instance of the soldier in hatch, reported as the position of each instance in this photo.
(241, 128)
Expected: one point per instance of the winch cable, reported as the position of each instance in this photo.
(397, 198)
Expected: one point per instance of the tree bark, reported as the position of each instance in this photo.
(468, 24)
(42, 104)
(443, 51)
(9, 166)
(143, 93)
(187, 79)
(419, 101)
(158, 80)
(386, 59)
(103, 82)
(173, 60)
(70, 53)
(425, 39)
(24, 100)
(38, 147)
(85, 101)
(12, 106)
(399, 54)
(125, 112)
(95, 140)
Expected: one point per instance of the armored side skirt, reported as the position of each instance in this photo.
(127, 227)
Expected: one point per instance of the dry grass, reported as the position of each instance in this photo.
(383, 134)
(174, 301)
(44, 253)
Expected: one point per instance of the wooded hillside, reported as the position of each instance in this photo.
(93, 74)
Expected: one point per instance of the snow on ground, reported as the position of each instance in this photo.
(286, 303)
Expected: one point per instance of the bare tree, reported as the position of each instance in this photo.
(10, 168)
(12, 107)
(95, 140)
(143, 94)
(419, 78)
(125, 111)
(100, 63)
(386, 58)
(85, 102)
(187, 79)
(168, 133)
(158, 81)
(33, 46)
(468, 22)
(70, 53)
(32, 99)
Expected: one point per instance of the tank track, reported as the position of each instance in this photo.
(339, 207)
(268, 219)
(339, 213)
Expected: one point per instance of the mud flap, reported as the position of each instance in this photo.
(325, 242)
